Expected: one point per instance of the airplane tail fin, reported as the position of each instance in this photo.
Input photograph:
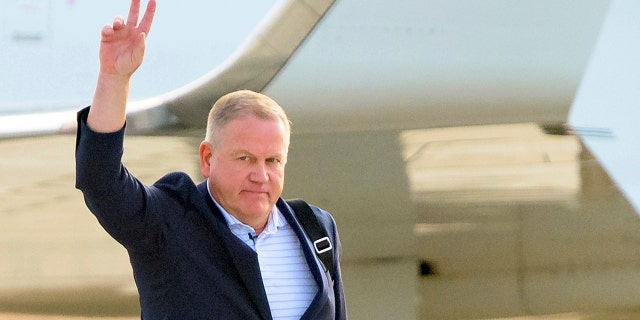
(606, 110)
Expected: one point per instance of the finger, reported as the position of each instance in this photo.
(134, 12)
(107, 30)
(118, 23)
(147, 19)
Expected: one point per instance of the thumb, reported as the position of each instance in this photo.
(139, 48)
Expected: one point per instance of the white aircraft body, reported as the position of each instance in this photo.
(439, 133)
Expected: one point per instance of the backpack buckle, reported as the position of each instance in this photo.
(322, 245)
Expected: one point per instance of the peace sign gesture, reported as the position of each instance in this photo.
(122, 44)
(121, 53)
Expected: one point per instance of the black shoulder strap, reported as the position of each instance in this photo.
(309, 222)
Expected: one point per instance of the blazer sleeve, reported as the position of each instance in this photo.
(112, 194)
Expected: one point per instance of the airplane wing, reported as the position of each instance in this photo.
(606, 109)
(20, 125)
(251, 66)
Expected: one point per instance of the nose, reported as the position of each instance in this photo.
(259, 173)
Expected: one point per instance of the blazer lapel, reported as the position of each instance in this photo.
(244, 258)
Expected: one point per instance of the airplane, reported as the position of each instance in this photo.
(465, 148)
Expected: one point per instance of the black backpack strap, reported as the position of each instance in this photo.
(321, 242)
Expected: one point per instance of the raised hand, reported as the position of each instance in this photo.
(121, 53)
(123, 44)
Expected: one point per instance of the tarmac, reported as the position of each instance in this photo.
(55, 258)
(56, 262)
(15, 316)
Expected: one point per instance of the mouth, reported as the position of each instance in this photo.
(255, 192)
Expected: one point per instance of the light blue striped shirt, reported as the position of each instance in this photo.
(287, 279)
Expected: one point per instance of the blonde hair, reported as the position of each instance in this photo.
(240, 104)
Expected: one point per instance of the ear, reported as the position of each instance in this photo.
(206, 152)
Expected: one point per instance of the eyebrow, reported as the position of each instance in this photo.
(247, 152)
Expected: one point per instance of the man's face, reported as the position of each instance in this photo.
(246, 168)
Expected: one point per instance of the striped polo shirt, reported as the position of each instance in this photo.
(288, 282)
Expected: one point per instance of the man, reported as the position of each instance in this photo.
(227, 248)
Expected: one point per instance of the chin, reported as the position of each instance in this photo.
(258, 210)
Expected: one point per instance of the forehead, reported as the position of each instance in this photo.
(253, 134)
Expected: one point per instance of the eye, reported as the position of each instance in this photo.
(243, 158)
(273, 160)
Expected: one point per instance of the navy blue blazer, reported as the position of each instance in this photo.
(187, 264)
